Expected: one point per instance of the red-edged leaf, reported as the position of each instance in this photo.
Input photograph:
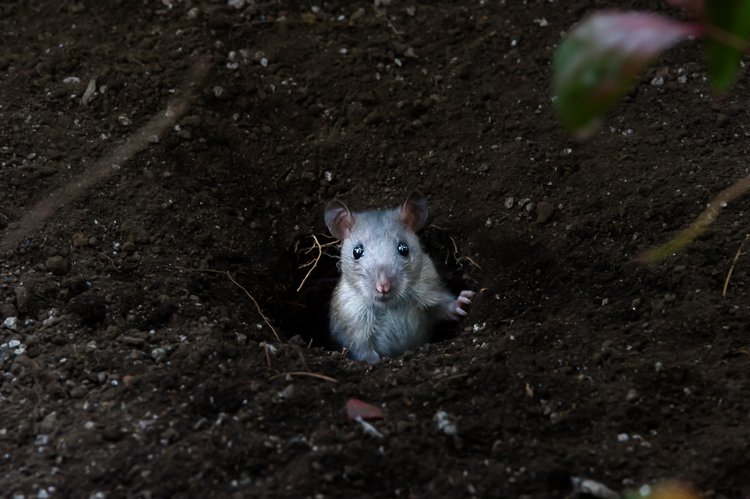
(356, 408)
(600, 59)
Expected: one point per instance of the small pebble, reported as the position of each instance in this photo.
(58, 265)
(444, 423)
(544, 212)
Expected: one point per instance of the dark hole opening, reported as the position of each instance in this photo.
(305, 313)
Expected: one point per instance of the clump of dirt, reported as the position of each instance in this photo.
(133, 365)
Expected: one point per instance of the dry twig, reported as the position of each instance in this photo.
(314, 262)
(459, 259)
(699, 226)
(305, 373)
(731, 268)
(255, 302)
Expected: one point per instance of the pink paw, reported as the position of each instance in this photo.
(458, 307)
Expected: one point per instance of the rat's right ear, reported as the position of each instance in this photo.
(339, 219)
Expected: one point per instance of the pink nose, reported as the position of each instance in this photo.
(383, 286)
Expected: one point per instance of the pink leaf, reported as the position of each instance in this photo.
(600, 59)
(356, 408)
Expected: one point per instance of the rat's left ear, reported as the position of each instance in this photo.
(413, 212)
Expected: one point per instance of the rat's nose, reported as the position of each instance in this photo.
(382, 281)
(383, 285)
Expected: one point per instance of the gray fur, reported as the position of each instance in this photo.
(372, 324)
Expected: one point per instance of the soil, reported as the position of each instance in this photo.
(137, 367)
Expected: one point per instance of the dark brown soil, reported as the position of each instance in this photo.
(137, 368)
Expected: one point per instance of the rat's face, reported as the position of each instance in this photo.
(381, 258)
(380, 252)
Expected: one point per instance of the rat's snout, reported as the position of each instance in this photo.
(383, 282)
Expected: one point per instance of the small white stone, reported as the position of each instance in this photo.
(444, 423)
(658, 81)
(11, 323)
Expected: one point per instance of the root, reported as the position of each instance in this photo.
(257, 307)
(106, 167)
(255, 302)
(460, 259)
(731, 268)
(316, 246)
(701, 224)
(305, 373)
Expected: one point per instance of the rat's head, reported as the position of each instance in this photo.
(380, 252)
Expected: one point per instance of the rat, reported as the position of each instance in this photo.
(389, 295)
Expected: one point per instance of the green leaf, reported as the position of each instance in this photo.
(601, 58)
(727, 35)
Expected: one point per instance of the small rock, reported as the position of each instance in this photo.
(124, 120)
(129, 247)
(509, 202)
(632, 395)
(658, 81)
(11, 323)
(49, 423)
(78, 392)
(544, 212)
(170, 434)
(90, 92)
(46, 171)
(444, 423)
(287, 392)
(138, 235)
(79, 240)
(158, 354)
(8, 310)
(192, 121)
(58, 265)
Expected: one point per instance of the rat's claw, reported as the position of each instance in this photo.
(462, 300)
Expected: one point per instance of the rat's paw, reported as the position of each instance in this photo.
(457, 307)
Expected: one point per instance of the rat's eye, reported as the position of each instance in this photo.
(359, 250)
(403, 249)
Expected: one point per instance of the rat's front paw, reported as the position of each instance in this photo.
(458, 306)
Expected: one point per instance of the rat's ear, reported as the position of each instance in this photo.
(339, 219)
(413, 212)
